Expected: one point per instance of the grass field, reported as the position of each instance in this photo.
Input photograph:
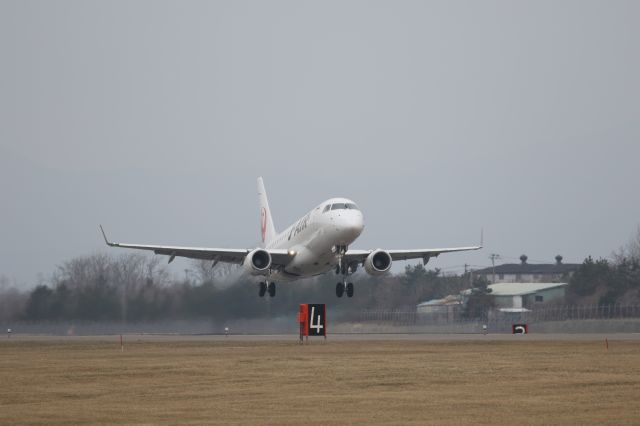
(386, 382)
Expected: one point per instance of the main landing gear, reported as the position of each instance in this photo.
(265, 287)
(343, 269)
(342, 288)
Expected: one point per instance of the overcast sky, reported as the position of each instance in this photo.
(154, 118)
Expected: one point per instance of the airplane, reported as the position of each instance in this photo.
(315, 244)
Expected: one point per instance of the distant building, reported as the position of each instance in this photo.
(447, 308)
(524, 272)
(513, 297)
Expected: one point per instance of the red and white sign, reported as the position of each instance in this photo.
(312, 319)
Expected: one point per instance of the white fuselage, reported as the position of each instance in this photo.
(314, 237)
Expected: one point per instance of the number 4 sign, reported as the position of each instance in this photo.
(316, 329)
(313, 320)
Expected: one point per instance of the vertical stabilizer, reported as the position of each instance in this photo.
(267, 230)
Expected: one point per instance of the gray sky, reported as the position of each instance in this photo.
(154, 118)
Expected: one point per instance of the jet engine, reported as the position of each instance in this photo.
(378, 262)
(257, 262)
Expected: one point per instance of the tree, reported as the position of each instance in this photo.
(39, 303)
(630, 251)
(204, 271)
(589, 277)
(480, 302)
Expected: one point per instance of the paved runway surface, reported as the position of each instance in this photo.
(347, 337)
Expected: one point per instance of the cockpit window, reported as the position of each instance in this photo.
(341, 206)
(326, 208)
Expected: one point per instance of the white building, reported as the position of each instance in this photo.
(522, 296)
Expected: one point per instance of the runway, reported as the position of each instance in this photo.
(343, 337)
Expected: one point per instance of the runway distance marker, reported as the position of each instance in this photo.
(312, 319)
(519, 329)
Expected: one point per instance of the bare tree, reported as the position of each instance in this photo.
(217, 274)
(83, 271)
(630, 251)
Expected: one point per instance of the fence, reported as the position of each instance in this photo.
(542, 314)
(583, 312)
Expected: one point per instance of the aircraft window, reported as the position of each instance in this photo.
(340, 206)
(326, 208)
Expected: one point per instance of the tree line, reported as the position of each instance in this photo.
(138, 287)
(614, 281)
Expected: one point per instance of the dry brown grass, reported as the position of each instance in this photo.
(397, 382)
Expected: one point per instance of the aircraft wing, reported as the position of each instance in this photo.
(359, 256)
(278, 257)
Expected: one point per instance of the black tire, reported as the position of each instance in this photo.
(350, 290)
(272, 289)
(339, 289)
(262, 289)
(337, 269)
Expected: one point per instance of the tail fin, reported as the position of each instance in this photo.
(268, 231)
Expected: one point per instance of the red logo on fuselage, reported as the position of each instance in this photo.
(263, 223)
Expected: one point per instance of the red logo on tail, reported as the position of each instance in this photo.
(263, 222)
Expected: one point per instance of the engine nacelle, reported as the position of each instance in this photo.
(257, 262)
(378, 262)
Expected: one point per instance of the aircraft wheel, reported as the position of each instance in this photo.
(262, 289)
(272, 289)
(339, 289)
(350, 290)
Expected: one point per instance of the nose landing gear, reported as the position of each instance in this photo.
(343, 269)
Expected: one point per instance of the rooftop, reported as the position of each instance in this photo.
(520, 289)
(528, 268)
(449, 300)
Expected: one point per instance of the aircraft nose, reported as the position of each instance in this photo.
(354, 224)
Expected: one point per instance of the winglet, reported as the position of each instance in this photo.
(105, 237)
(481, 237)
